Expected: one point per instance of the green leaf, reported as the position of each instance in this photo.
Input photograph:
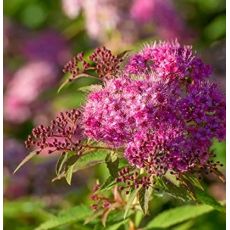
(78, 76)
(89, 160)
(78, 163)
(90, 88)
(93, 217)
(138, 218)
(69, 174)
(68, 100)
(216, 28)
(178, 215)
(59, 166)
(26, 208)
(219, 148)
(65, 164)
(165, 186)
(185, 226)
(27, 158)
(122, 162)
(109, 182)
(72, 215)
(201, 195)
(117, 225)
(194, 180)
(144, 198)
(72, 159)
(205, 198)
(131, 198)
(112, 163)
(66, 80)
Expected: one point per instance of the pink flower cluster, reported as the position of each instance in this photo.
(124, 106)
(161, 110)
(168, 60)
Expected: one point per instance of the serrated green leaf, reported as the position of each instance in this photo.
(72, 215)
(131, 199)
(178, 215)
(144, 198)
(205, 198)
(27, 158)
(112, 163)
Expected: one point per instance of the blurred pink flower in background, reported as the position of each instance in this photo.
(49, 46)
(27, 84)
(104, 16)
(101, 15)
(45, 54)
(71, 8)
(163, 14)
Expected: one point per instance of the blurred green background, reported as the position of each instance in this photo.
(39, 38)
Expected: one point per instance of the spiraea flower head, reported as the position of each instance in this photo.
(159, 112)
(162, 110)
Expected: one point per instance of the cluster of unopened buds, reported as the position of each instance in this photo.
(64, 134)
(132, 179)
(159, 109)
